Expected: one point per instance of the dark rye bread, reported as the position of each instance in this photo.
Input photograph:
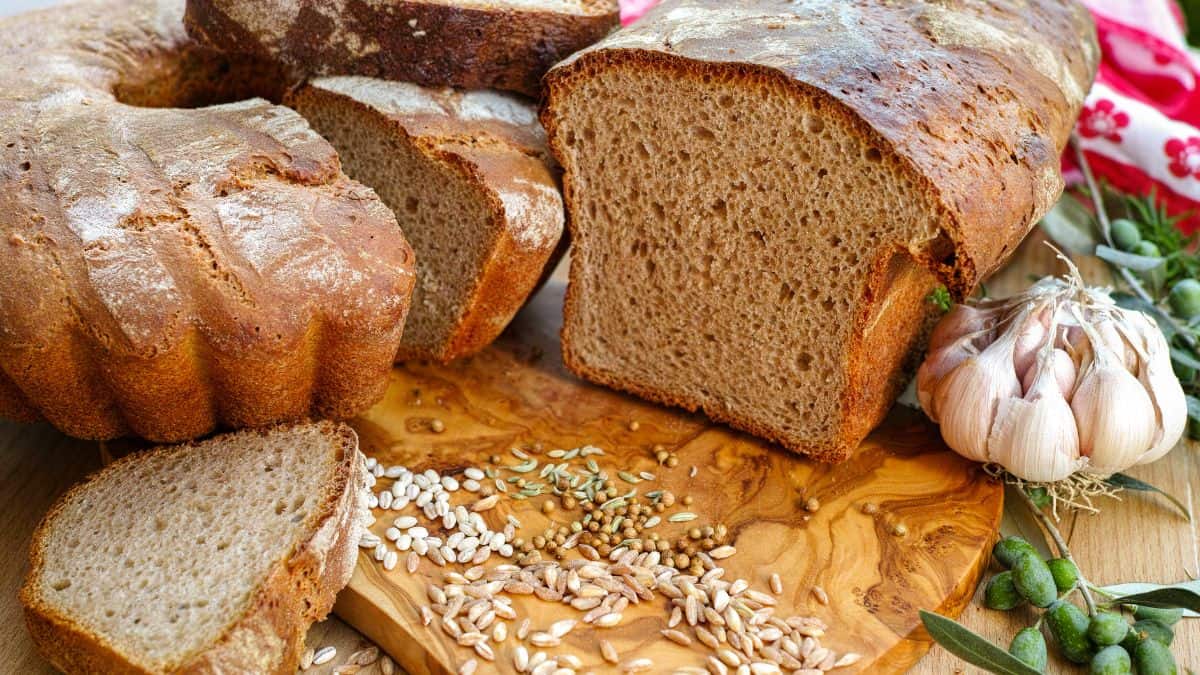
(474, 44)
(211, 557)
(761, 194)
(168, 271)
(473, 186)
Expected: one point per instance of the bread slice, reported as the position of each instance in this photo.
(208, 557)
(472, 185)
(501, 44)
(762, 194)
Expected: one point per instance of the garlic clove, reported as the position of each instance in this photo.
(1112, 338)
(936, 366)
(959, 321)
(1036, 440)
(1116, 419)
(967, 397)
(1030, 339)
(1159, 379)
(1063, 368)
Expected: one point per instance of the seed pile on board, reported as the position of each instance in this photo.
(604, 561)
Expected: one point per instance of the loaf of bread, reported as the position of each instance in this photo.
(501, 44)
(212, 557)
(762, 194)
(166, 271)
(471, 182)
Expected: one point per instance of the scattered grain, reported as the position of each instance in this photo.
(324, 655)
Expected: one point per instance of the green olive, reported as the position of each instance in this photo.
(1108, 628)
(1065, 573)
(1146, 248)
(1154, 658)
(1185, 298)
(1112, 660)
(1011, 549)
(1030, 647)
(1068, 624)
(1125, 234)
(1148, 629)
(1033, 580)
(1001, 593)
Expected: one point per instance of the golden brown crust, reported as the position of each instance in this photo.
(430, 43)
(169, 271)
(977, 112)
(269, 636)
(493, 149)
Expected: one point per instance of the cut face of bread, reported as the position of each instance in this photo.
(722, 243)
(216, 554)
(761, 194)
(472, 186)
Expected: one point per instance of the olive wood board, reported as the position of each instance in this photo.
(517, 392)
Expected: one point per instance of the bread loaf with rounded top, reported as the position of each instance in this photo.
(762, 194)
(473, 186)
(473, 44)
(168, 271)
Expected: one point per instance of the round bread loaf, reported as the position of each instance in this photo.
(168, 269)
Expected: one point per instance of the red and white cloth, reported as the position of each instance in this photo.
(1140, 125)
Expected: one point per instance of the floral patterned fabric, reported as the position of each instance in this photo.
(1140, 125)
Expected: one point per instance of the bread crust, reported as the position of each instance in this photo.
(983, 212)
(504, 161)
(430, 43)
(269, 635)
(167, 272)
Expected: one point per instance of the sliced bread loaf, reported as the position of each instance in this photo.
(502, 44)
(208, 557)
(472, 185)
(761, 194)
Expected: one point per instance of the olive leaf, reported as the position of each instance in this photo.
(1193, 406)
(1132, 261)
(1018, 522)
(1070, 225)
(1130, 483)
(1130, 301)
(1184, 358)
(971, 647)
(1185, 596)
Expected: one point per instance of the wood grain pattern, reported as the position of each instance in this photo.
(516, 392)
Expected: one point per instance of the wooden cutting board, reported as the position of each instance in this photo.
(518, 392)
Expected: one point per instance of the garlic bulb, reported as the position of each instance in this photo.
(1056, 380)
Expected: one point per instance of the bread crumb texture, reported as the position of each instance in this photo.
(761, 195)
(158, 555)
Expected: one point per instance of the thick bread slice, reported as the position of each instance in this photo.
(214, 556)
(472, 185)
(762, 194)
(502, 44)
